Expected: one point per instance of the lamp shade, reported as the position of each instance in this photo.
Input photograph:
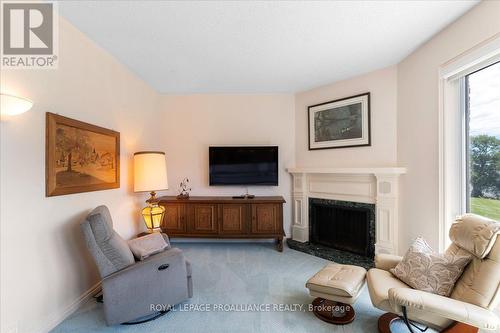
(150, 171)
(12, 105)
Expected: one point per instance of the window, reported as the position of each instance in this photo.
(482, 141)
(469, 126)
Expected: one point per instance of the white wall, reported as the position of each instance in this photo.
(418, 141)
(382, 85)
(191, 123)
(45, 266)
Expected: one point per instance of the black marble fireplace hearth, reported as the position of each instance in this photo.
(340, 231)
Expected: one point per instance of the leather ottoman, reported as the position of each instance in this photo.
(336, 287)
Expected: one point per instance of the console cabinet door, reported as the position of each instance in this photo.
(174, 220)
(265, 218)
(233, 219)
(202, 218)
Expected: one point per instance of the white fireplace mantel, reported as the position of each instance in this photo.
(377, 185)
(386, 171)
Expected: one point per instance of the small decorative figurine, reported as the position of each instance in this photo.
(184, 189)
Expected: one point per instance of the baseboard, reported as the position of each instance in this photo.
(58, 318)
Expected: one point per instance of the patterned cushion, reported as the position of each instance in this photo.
(426, 270)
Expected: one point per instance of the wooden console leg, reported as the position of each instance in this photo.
(279, 244)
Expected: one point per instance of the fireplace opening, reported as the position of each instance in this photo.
(342, 225)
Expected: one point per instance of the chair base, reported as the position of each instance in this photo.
(460, 328)
(333, 312)
(385, 321)
(146, 319)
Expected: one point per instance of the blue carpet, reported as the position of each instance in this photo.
(239, 273)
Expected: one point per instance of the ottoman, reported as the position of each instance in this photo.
(336, 287)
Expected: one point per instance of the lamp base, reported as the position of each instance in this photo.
(153, 200)
(152, 231)
(153, 214)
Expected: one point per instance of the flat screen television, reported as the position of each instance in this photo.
(243, 165)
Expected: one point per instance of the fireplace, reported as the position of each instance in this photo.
(340, 231)
(343, 226)
(372, 189)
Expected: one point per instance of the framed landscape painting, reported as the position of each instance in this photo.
(80, 157)
(341, 123)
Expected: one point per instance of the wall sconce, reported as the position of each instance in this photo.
(12, 105)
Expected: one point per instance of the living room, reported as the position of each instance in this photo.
(250, 165)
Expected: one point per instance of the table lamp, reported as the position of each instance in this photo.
(150, 175)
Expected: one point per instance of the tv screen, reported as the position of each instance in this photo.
(243, 165)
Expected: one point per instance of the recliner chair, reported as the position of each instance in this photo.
(475, 295)
(132, 289)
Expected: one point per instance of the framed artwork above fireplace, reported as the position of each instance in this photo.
(340, 123)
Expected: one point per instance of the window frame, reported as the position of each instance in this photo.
(466, 144)
(465, 105)
(453, 160)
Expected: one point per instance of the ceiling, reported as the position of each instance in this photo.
(258, 47)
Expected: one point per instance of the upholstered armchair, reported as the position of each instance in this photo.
(475, 294)
(131, 289)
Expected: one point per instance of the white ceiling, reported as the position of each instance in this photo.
(258, 47)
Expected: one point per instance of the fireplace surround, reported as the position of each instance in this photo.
(377, 187)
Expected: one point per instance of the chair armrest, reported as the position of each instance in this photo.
(386, 261)
(133, 292)
(145, 274)
(443, 306)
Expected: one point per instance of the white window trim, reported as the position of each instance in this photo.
(463, 94)
(482, 55)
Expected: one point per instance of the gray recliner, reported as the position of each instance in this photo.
(131, 289)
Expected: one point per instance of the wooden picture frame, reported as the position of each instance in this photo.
(340, 123)
(79, 157)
